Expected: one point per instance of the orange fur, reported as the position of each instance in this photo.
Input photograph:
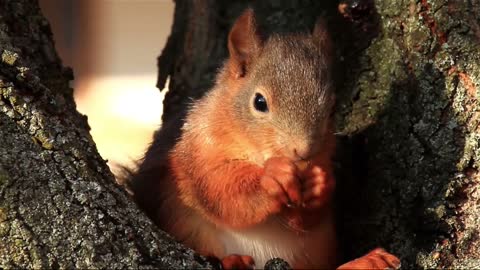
(231, 185)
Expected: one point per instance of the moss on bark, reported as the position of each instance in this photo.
(60, 206)
(416, 114)
(408, 115)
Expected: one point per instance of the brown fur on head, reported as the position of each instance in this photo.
(292, 73)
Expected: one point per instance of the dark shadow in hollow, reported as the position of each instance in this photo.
(394, 174)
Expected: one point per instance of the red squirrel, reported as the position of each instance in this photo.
(249, 177)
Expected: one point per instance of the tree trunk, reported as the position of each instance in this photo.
(60, 206)
(407, 117)
(407, 114)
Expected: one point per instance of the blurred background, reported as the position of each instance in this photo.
(112, 46)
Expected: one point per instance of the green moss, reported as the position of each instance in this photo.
(426, 260)
(19, 243)
(375, 86)
(13, 100)
(22, 71)
(3, 214)
(44, 140)
(9, 57)
(391, 8)
(4, 229)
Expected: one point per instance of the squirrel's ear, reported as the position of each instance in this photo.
(322, 38)
(244, 43)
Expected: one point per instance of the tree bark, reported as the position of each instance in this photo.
(60, 206)
(407, 114)
(412, 111)
(407, 118)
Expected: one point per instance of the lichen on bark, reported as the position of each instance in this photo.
(420, 79)
(60, 206)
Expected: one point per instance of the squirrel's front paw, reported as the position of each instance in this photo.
(318, 186)
(281, 182)
(375, 259)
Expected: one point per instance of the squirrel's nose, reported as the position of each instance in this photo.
(302, 152)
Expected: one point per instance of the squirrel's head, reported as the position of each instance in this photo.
(284, 88)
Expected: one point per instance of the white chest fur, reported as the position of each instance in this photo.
(313, 248)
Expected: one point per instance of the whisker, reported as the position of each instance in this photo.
(285, 224)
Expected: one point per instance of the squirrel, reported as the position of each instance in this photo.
(249, 175)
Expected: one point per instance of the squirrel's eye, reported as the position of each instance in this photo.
(260, 103)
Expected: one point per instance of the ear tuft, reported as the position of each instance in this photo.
(244, 43)
(322, 38)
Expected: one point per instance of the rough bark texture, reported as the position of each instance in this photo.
(59, 204)
(407, 115)
(408, 119)
(414, 114)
